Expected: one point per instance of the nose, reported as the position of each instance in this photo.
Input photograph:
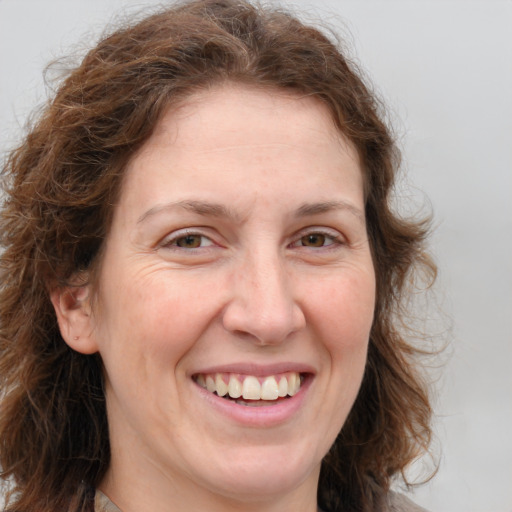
(262, 306)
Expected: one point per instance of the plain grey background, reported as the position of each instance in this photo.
(445, 69)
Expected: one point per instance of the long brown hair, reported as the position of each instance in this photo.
(61, 187)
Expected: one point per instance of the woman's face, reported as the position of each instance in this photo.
(237, 262)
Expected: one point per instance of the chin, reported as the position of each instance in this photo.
(263, 476)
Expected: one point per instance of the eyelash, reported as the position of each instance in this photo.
(335, 240)
(172, 242)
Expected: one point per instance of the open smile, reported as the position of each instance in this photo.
(250, 390)
(253, 395)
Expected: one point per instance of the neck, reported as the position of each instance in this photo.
(132, 493)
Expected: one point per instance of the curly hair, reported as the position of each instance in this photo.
(62, 184)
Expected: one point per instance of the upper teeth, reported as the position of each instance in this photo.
(250, 387)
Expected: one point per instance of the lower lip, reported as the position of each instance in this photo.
(259, 416)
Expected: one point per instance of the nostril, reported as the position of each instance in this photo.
(262, 308)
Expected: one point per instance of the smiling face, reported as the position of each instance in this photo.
(237, 264)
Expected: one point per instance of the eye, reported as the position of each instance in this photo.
(189, 241)
(317, 239)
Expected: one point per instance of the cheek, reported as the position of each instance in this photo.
(343, 311)
(144, 332)
(157, 319)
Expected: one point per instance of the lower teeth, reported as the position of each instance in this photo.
(256, 403)
(252, 403)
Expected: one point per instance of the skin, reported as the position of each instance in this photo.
(282, 275)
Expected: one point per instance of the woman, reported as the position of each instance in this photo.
(203, 281)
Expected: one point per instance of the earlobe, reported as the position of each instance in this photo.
(73, 309)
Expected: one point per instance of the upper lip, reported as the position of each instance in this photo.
(256, 369)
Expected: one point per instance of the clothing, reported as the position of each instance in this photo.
(400, 503)
(103, 504)
(395, 503)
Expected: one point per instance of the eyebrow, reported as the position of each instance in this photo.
(200, 207)
(310, 209)
(205, 208)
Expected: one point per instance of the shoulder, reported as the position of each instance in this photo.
(103, 504)
(396, 502)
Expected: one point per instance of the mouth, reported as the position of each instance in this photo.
(250, 390)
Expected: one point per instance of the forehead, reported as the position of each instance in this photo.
(203, 119)
(220, 139)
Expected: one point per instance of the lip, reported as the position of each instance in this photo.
(256, 369)
(261, 416)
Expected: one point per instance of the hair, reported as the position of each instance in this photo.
(62, 184)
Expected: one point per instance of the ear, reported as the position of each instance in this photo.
(72, 306)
